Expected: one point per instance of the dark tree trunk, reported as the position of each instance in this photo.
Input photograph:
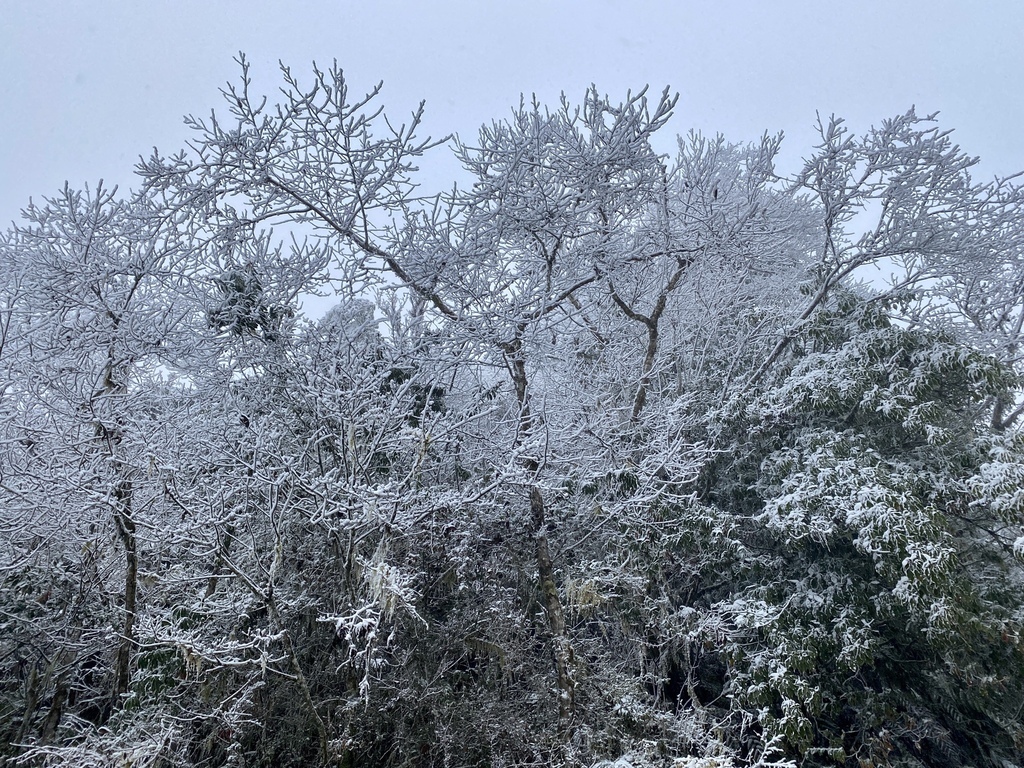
(563, 652)
(126, 531)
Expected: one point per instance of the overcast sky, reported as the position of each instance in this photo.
(86, 87)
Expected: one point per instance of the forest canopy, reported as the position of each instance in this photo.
(606, 456)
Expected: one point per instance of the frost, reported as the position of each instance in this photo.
(602, 453)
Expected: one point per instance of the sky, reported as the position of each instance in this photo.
(87, 86)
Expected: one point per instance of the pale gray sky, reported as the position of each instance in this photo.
(87, 86)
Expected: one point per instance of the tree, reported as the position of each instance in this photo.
(871, 627)
(89, 312)
(604, 456)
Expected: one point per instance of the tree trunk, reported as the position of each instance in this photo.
(31, 702)
(60, 698)
(126, 532)
(556, 617)
(301, 681)
(61, 689)
(223, 550)
(563, 652)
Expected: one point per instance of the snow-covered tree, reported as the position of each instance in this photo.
(602, 456)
